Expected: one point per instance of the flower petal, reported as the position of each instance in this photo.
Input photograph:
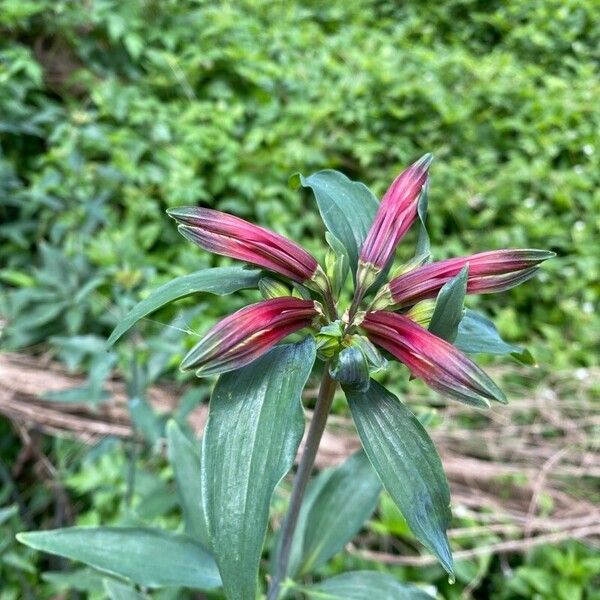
(439, 364)
(231, 236)
(493, 271)
(396, 213)
(248, 333)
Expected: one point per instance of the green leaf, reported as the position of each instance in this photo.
(364, 585)
(148, 557)
(330, 519)
(185, 460)
(408, 464)
(115, 590)
(423, 244)
(347, 208)
(145, 420)
(252, 435)
(337, 263)
(79, 580)
(8, 513)
(449, 307)
(478, 335)
(219, 280)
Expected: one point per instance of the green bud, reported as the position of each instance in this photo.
(411, 265)
(422, 312)
(319, 282)
(272, 288)
(350, 368)
(375, 360)
(329, 339)
(336, 263)
(383, 299)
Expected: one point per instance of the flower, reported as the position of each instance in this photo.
(494, 271)
(248, 333)
(439, 364)
(395, 215)
(231, 236)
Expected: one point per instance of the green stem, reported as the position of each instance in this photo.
(315, 432)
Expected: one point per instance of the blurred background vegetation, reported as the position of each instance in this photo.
(111, 112)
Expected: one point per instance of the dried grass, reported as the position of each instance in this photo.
(521, 475)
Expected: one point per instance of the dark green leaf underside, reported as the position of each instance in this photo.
(255, 425)
(407, 463)
(478, 335)
(185, 460)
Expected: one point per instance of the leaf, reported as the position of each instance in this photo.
(115, 590)
(407, 463)
(332, 520)
(364, 585)
(78, 580)
(347, 208)
(148, 557)
(218, 280)
(449, 307)
(185, 460)
(253, 432)
(477, 334)
(337, 263)
(8, 513)
(145, 420)
(423, 245)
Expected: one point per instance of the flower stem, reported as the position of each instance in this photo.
(315, 432)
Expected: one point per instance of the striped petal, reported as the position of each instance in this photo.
(439, 364)
(248, 333)
(396, 213)
(494, 271)
(227, 235)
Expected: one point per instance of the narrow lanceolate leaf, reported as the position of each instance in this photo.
(408, 465)
(219, 280)
(185, 460)
(347, 208)
(253, 432)
(364, 585)
(478, 335)
(148, 557)
(343, 503)
(449, 307)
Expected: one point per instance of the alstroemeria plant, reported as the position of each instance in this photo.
(345, 331)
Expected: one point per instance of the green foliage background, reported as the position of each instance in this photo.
(111, 112)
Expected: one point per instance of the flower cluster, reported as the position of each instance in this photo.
(393, 320)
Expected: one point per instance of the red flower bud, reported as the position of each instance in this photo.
(248, 333)
(439, 364)
(396, 213)
(231, 236)
(494, 271)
